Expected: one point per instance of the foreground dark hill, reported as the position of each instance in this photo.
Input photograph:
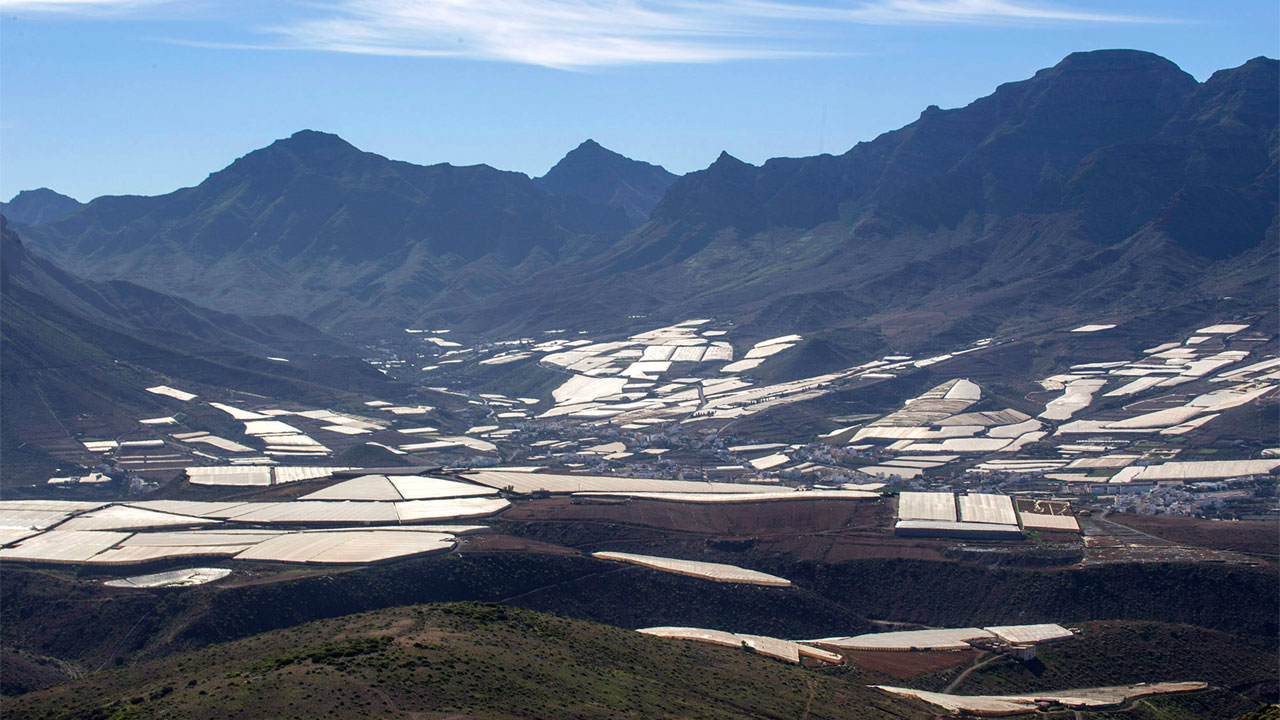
(77, 355)
(39, 206)
(463, 660)
(469, 660)
(312, 226)
(1110, 182)
(607, 178)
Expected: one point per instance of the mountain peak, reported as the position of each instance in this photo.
(305, 141)
(725, 161)
(1113, 59)
(605, 177)
(590, 151)
(1117, 69)
(306, 150)
(39, 206)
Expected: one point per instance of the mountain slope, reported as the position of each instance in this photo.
(606, 178)
(76, 357)
(1110, 182)
(464, 660)
(39, 206)
(312, 226)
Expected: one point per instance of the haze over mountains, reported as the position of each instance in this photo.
(78, 348)
(1111, 182)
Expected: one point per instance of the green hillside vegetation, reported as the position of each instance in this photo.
(464, 660)
(78, 621)
(956, 594)
(1150, 652)
(1211, 703)
(67, 625)
(492, 661)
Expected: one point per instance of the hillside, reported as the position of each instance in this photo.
(1110, 183)
(480, 660)
(462, 660)
(77, 356)
(1155, 649)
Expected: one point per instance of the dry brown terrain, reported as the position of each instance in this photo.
(906, 665)
(799, 530)
(1253, 538)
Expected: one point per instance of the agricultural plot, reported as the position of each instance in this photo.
(905, 641)
(784, 650)
(927, 506)
(630, 382)
(1060, 523)
(398, 487)
(716, 572)
(981, 516)
(323, 546)
(172, 392)
(1158, 405)
(1029, 634)
(985, 508)
(144, 531)
(1017, 704)
(40, 514)
(736, 497)
(946, 638)
(172, 578)
(256, 475)
(523, 483)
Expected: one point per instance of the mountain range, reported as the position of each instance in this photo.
(1110, 184)
(76, 356)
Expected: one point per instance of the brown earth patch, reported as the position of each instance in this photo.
(1254, 538)
(739, 519)
(906, 665)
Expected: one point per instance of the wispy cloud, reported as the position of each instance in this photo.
(79, 7)
(576, 34)
(551, 33)
(572, 34)
(939, 12)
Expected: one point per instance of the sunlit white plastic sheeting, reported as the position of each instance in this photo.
(709, 571)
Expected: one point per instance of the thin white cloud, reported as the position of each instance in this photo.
(934, 12)
(571, 34)
(550, 33)
(79, 7)
(576, 34)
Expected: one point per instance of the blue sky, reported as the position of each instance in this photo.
(145, 96)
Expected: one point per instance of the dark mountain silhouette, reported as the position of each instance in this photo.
(606, 178)
(312, 226)
(1112, 182)
(39, 206)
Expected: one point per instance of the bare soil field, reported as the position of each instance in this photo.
(797, 530)
(906, 665)
(493, 543)
(1253, 538)
(740, 519)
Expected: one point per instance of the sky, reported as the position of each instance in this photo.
(109, 97)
